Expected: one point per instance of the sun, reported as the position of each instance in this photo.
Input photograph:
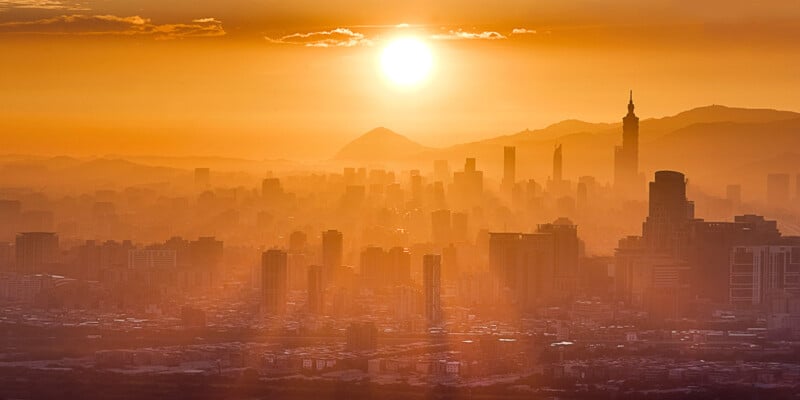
(407, 61)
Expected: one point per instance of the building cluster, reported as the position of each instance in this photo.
(530, 276)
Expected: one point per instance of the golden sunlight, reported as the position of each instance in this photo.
(407, 61)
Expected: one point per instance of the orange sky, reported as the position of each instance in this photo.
(240, 78)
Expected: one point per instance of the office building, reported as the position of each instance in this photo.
(36, 252)
(432, 287)
(332, 253)
(273, 281)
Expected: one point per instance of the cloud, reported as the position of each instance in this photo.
(339, 37)
(41, 5)
(459, 35)
(522, 31)
(113, 25)
(207, 20)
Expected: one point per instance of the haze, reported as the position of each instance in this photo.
(510, 200)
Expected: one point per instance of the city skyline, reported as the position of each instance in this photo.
(416, 200)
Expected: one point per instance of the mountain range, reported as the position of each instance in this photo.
(707, 143)
(714, 145)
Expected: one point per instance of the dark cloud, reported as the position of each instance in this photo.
(113, 25)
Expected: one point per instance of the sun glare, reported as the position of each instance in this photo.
(407, 61)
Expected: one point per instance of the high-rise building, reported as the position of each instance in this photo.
(524, 264)
(297, 264)
(441, 171)
(460, 227)
(797, 187)
(558, 165)
(557, 184)
(708, 247)
(627, 181)
(6, 256)
(202, 177)
(432, 287)
(450, 270)
(36, 251)
(332, 253)
(778, 190)
(10, 211)
(468, 185)
(759, 272)
(316, 290)
(669, 211)
(565, 256)
(297, 242)
(416, 186)
(373, 266)
(399, 262)
(733, 193)
(273, 281)
(206, 253)
(509, 168)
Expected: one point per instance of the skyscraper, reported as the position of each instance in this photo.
(399, 261)
(758, 272)
(565, 256)
(316, 290)
(669, 211)
(273, 281)
(35, 250)
(205, 254)
(373, 266)
(627, 181)
(441, 171)
(297, 242)
(733, 193)
(432, 287)
(778, 190)
(332, 249)
(468, 185)
(509, 168)
(558, 165)
(202, 177)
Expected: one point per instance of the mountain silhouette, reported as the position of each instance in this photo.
(379, 144)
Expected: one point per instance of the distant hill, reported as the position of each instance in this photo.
(379, 144)
(705, 142)
(652, 129)
(711, 150)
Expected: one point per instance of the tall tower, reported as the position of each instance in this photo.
(273, 281)
(432, 286)
(626, 157)
(332, 249)
(558, 165)
(509, 168)
(316, 290)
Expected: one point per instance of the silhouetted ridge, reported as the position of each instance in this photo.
(379, 144)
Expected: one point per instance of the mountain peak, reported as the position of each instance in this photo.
(379, 144)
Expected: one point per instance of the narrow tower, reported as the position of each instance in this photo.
(558, 174)
(626, 157)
